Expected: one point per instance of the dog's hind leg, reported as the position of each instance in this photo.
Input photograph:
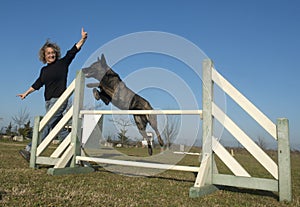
(153, 123)
(141, 123)
(139, 103)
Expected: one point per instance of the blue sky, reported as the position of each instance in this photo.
(254, 44)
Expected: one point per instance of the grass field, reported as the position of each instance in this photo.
(22, 186)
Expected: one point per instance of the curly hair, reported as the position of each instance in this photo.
(47, 44)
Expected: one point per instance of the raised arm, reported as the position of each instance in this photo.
(82, 40)
(29, 91)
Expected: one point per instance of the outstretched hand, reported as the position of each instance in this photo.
(83, 34)
(22, 96)
(82, 40)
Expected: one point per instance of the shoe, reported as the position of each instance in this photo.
(25, 154)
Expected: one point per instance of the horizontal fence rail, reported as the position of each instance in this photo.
(141, 112)
(138, 164)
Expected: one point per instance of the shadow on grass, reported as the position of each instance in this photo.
(225, 188)
(172, 179)
(102, 169)
(249, 191)
(2, 193)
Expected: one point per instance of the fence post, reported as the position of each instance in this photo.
(204, 181)
(76, 120)
(35, 141)
(284, 162)
(207, 126)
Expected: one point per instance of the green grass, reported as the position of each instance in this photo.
(22, 186)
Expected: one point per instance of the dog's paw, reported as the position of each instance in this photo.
(96, 94)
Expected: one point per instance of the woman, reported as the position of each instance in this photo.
(54, 77)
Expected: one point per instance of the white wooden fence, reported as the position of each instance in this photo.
(65, 158)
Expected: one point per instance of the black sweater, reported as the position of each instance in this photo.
(54, 75)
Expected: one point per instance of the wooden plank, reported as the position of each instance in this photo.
(54, 132)
(46, 160)
(62, 147)
(228, 160)
(244, 103)
(203, 171)
(246, 141)
(65, 158)
(138, 164)
(77, 120)
(68, 92)
(141, 112)
(34, 144)
(188, 153)
(206, 167)
(284, 160)
(245, 182)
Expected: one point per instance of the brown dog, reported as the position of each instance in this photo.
(114, 90)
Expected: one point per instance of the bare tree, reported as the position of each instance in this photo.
(21, 118)
(26, 131)
(171, 129)
(261, 142)
(1, 119)
(123, 124)
(109, 138)
(8, 130)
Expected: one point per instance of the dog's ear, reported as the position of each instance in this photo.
(103, 61)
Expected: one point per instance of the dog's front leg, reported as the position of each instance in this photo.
(101, 95)
(93, 85)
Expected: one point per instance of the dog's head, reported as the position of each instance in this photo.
(97, 69)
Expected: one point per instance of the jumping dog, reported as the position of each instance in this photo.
(114, 90)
